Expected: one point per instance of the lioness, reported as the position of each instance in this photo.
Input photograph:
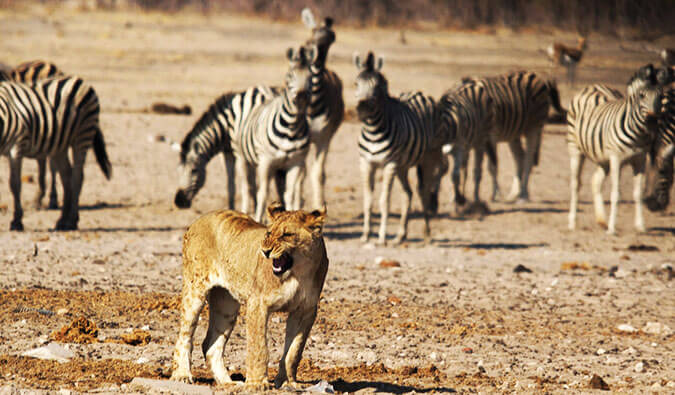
(229, 259)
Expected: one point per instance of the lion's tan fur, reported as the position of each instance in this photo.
(224, 262)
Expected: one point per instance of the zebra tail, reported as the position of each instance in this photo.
(101, 154)
(491, 153)
(555, 98)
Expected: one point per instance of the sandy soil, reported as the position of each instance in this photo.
(453, 316)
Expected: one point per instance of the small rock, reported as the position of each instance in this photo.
(145, 328)
(394, 300)
(62, 311)
(600, 351)
(540, 371)
(433, 356)
(467, 350)
(386, 263)
(629, 350)
(620, 273)
(322, 387)
(175, 147)
(51, 351)
(142, 360)
(626, 328)
(598, 383)
(554, 282)
(656, 386)
(521, 269)
(639, 367)
(657, 328)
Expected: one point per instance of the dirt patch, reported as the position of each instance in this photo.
(81, 331)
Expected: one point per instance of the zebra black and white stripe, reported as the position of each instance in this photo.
(275, 136)
(396, 134)
(464, 116)
(611, 131)
(520, 104)
(326, 108)
(29, 73)
(663, 151)
(212, 134)
(45, 121)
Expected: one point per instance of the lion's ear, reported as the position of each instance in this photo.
(274, 209)
(316, 219)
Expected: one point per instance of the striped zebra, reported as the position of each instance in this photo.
(275, 136)
(326, 107)
(213, 134)
(45, 121)
(396, 134)
(29, 73)
(464, 116)
(663, 150)
(611, 131)
(520, 104)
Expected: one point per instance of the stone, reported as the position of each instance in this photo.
(639, 367)
(657, 328)
(152, 385)
(322, 387)
(51, 351)
(626, 328)
(598, 383)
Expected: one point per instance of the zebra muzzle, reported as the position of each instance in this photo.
(181, 200)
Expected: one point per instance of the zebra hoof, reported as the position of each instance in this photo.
(16, 226)
(64, 225)
(53, 205)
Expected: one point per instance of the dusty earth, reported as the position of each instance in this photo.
(454, 316)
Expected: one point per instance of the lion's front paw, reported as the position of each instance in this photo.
(185, 377)
(257, 385)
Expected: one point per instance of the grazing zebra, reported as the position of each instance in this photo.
(212, 134)
(611, 131)
(520, 105)
(275, 136)
(464, 115)
(396, 134)
(663, 150)
(44, 121)
(326, 108)
(29, 73)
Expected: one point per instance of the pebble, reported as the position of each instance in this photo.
(639, 367)
(621, 273)
(626, 328)
(554, 282)
(629, 350)
(142, 360)
(62, 311)
(540, 371)
(600, 351)
(52, 351)
(657, 328)
(433, 356)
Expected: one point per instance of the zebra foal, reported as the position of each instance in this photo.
(396, 134)
(45, 121)
(611, 131)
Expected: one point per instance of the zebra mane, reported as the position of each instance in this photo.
(204, 121)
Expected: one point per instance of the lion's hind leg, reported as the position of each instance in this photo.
(223, 311)
(298, 326)
(191, 305)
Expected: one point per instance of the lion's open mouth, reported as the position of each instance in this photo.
(282, 264)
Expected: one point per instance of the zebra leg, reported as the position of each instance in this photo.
(614, 174)
(229, 161)
(70, 222)
(576, 165)
(532, 142)
(458, 155)
(248, 190)
(598, 202)
(66, 172)
(493, 169)
(477, 171)
(294, 178)
(42, 184)
(402, 175)
(53, 196)
(638, 179)
(264, 173)
(368, 178)
(15, 186)
(388, 173)
(518, 156)
(318, 175)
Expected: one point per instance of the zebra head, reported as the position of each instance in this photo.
(322, 34)
(298, 78)
(371, 87)
(191, 172)
(645, 92)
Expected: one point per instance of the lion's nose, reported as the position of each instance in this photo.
(266, 252)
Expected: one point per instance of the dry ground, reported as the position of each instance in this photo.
(453, 316)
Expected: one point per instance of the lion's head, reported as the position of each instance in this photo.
(293, 239)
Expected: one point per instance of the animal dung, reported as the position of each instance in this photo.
(81, 330)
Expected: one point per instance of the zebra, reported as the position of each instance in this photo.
(212, 134)
(275, 136)
(520, 105)
(464, 116)
(29, 73)
(396, 134)
(611, 131)
(663, 149)
(326, 108)
(43, 121)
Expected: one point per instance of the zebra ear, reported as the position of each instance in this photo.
(308, 18)
(289, 53)
(357, 60)
(380, 63)
(328, 22)
(370, 62)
